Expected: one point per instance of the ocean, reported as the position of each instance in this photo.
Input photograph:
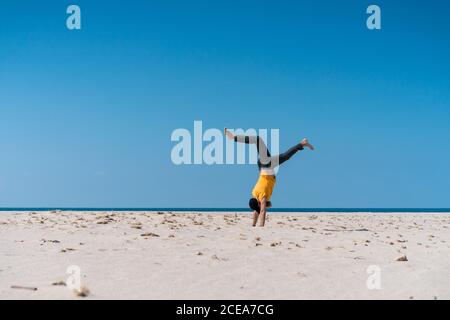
(334, 210)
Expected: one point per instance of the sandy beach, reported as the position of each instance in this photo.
(190, 255)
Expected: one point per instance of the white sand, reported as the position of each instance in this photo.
(220, 256)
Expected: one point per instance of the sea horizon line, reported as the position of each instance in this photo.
(222, 209)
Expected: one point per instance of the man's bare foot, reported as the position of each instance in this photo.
(305, 143)
(228, 134)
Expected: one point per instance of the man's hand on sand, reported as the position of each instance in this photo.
(305, 143)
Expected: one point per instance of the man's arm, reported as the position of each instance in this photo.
(255, 217)
(262, 212)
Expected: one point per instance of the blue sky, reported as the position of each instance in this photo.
(86, 115)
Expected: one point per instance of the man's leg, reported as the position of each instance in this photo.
(285, 156)
(262, 221)
(263, 151)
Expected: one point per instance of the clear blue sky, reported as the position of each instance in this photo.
(86, 116)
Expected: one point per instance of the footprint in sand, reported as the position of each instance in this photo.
(149, 234)
(67, 249)
(215, 257)
(51, 241)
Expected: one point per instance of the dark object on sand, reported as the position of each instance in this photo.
(82, 292)
(24, 288)
(149, 234)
